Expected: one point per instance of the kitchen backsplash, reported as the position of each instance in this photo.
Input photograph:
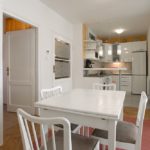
(127, 65)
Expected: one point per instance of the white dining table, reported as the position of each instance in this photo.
(87, 107)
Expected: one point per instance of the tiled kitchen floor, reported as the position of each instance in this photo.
(133, 101)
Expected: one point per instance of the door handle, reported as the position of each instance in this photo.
(54, 69)
(7, 71)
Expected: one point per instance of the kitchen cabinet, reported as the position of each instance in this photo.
(90, 54)
(125, 83)
(129, 47)
(126, 53)
(115, 79)
(91, 49)
(107, 55)
(139, 45)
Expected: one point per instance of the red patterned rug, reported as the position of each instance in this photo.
(145, 136)
(146, 133)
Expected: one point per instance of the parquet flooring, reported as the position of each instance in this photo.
(12, 138)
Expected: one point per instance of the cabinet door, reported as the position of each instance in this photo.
(125, 83)
(126, 53)
(90, 54)
(107, 56)
(139, 45)
(115, 79)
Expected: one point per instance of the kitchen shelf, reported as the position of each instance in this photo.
(117, 69)
(92, 41)
(62, 59)
(90, 49)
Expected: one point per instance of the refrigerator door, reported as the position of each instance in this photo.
(139, 63)
(138, 84)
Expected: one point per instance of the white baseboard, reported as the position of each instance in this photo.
(13, 108)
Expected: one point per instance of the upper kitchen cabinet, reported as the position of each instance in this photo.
(129, 47)
(93, 49)
(126, 52)
(139, 45)
(107, 52)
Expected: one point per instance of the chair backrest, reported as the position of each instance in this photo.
(46, 93)
(28, 125)
(100, 86)
(140, 117)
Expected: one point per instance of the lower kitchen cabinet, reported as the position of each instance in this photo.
(125, 83)
(115, 79)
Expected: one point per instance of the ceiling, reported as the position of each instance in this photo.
(103, 16)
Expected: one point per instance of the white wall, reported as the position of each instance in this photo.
(49, 24)
(77, 74)
(77, 53)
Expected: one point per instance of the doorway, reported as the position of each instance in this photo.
(19, 65)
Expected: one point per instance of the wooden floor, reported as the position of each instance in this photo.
(12, 138)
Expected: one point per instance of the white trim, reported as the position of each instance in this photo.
(1, 86)
(13, 15)
(13, 108)
(37, 80)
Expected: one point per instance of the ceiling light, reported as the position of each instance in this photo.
(119, 31)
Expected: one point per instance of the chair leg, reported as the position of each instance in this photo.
(83, 130)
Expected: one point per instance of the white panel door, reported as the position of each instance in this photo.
(21, 63)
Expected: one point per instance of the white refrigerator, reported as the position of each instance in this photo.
(138, 72)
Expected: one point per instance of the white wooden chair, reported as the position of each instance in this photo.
(100, 86)
(60, 140)
(128, 135)
(46, 93)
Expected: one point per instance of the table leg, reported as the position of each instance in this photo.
(112, 135)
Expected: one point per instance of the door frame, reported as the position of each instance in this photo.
(36, 50)
(37, 87)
